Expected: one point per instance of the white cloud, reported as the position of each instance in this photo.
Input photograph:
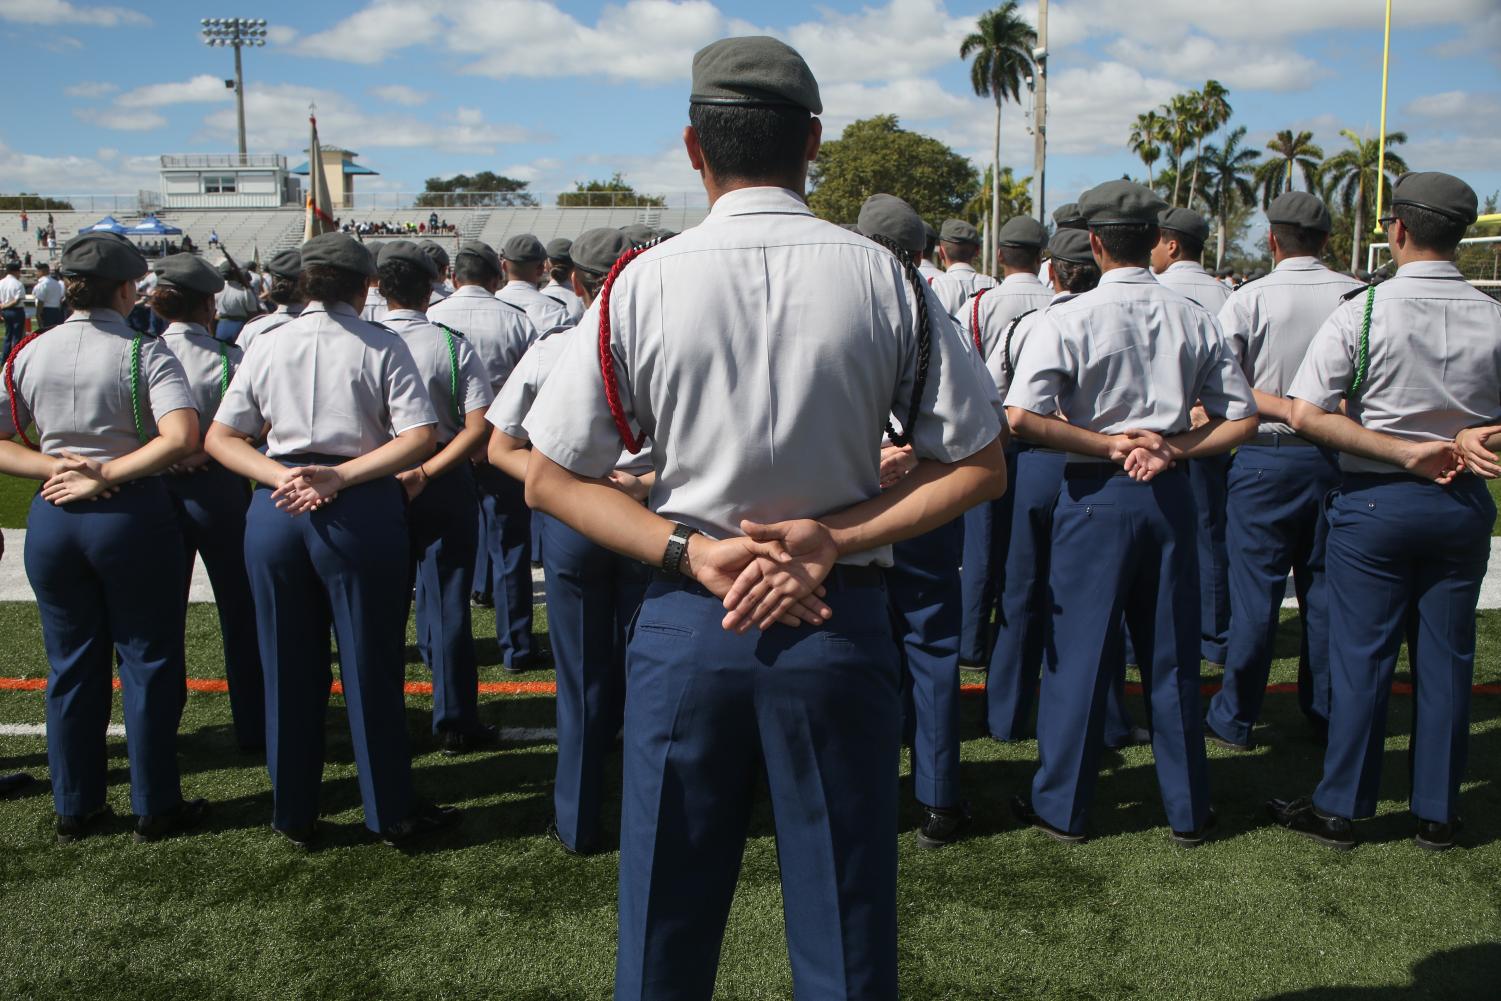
(71, 174)
(107, 153)
(368, 36)
(90, 89)
(203, 88)
(400, 93)
(1253, 67)
(1455, 154)
(1455, 107)
(60, 12)
(280, 34)
(902, 39)
(121, 119)
(1265, 20)
(911, 100)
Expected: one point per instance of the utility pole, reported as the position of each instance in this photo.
(1040, 113)
(238, 32)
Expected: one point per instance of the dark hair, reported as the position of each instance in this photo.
(560, 272)
(1192, 249)
(171, 302)
(928, 248)
(472, 269)
(322, 283)
(1021, 258)
(961, 252)
(1431, 230)
(405, 283)
(592, 282)
(284, 291)
(752, 144)
(1076, 277)
(1128, 244)
(85, 292)
(1299, 241)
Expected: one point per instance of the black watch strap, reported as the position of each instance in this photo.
(677, 545)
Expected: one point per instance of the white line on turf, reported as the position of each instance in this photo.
(508, 734)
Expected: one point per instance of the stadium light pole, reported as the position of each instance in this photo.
(1040, 113)
(237, 32)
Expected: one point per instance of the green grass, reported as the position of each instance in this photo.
(496, 911)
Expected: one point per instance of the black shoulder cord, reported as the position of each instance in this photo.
(1006, 364)
(924, 342)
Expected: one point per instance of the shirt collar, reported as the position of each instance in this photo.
(958, 266)
(471, 292)
(1133, 276)
(1062, 297)
(1429, 269)
(1193, 266)
(409, 315)
(179, 327)
(332, 308)
(1298, 264)
(98, 315)
(1021, 278)
(759, 201)
(518, 283)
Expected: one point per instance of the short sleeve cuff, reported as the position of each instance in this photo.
(572, 459)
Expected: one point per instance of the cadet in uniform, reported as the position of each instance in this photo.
(282, 276)
(103, 548)
(48, 292)
(499, 333)
(560, 278)
(440, 288)
(958, 246)
(524, 260)
(986, 318)
(326, 537)
(1124, 365)
(592, 593)
(1416, 360)
(235, 305)
(725, 345)
(209, 499)
(925, 265)
(442, 510)
(1278, 480)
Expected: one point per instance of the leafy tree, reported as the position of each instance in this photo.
(1181, 114)
(1146, 141)
(878, 155)
(1016, 198)
(1292, 153)
(33, 203)
(614, 193)
(1211, 110)
(486, 188)
(1002, 48)
(1349, 178)
(1227, 172)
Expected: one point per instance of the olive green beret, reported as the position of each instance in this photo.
(188, 271)
(1120, 203)
(435, 251)
(523, 248)
(663, 234)
(1023, 231)
(287, 264)
(639, 233)
(338, 250)
(1299, 208)
(557, 250)
(1185, 221)
(597, 250)
(929, 231)
(107, 256)
(409, 253)
(958, 231)
(1067, 216)
(485, 252)
(227, 268)
(1071, 245)
(892, 218)
(754, 72)
(1442, 193)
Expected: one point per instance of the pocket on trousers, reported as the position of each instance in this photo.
(667, 629)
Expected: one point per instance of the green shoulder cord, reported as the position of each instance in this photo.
(223, 369)
(1363, 349)
(453, 370)
(135, 390)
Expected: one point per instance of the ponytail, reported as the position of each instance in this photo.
(924, 342)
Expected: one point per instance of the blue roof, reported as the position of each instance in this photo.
(349, 168)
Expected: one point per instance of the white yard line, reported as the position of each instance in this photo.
(508, 734)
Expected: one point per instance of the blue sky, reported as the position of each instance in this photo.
(555, 92)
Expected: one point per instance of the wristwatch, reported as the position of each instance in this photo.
(677, 545)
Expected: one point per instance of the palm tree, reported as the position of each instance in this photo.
(1181, 113)
(1227, 171)
(1293, 153)
(1145, 141)
(1213, 110)
(1002, 48)
(1016, 197)
(1350, 177)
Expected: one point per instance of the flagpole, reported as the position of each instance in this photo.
(1386, 61)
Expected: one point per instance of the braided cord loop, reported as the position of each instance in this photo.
(223, 368)
(10, 390)
(135, 389)
(1007, 366)
(1363, 350)
(453, 370)
(974, 318)
(924, 342)
(607, 357)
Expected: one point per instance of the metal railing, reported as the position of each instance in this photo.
(193, 161)
(365, 202)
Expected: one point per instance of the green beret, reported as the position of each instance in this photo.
(929, 231)
(557, 250)
(597, 250)
(287, 264)
(485, 252)
(338, 250)
(227, 268)
(1071, 245)
(1067, 216)
(754, 72)
(523, 248)
(1120, 203)
(639, 233)
(1442, 193)
(958, 231)
(106, 256)
(663, 234)
(1023, 231)
(188, 271)
(892, 218)
(408, 253)
(1299, 208)
(1185, 221)
(435, 251)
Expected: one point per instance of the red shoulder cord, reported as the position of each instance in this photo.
(607, 357)
(10, 389)
(974, 318)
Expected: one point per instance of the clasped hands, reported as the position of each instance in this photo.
(1143, 454)
(773, 574)
(75, 478)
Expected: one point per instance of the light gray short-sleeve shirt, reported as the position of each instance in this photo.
(954, 286)
(1434, 364)
(498, 331)
(74, 382)
(763, 352)
(207, 362)
(429, 347)
(999, 361)
(997, 308)
(568, 297)
(327, 383)
(545, 312)
(1190, 278)
(265, 322)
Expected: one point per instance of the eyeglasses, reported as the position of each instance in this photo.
(1385, 221)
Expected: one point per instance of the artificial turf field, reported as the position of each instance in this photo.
(495, 910)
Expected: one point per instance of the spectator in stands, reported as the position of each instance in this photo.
(188, 246)
(25, 219)
(12, 305)
(49, 298)
(213, 238)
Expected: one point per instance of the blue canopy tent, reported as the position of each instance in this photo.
(109, 224)
(152, 226)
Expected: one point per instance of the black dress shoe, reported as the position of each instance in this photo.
(154, 827)
(1023, 811)
(71, 828)
(1135, 737)
(12, 784)
(1195, 838)
(426, 820)
(1301, 817)
(520, 665)
(1434, 836)
(455, 742)
(482, 599)
(942, 825)
(302, 838)
(581, 850)
(1221, 741)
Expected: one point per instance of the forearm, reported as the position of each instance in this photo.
(508, 454)
(597, 510)
(177, 439)
(457, 452)
(402, 452)
(1215, 438)
(1051, 432)
(18, 460)
(1273, 407)
(933, 494)
(236, 453)
(1340, 433)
